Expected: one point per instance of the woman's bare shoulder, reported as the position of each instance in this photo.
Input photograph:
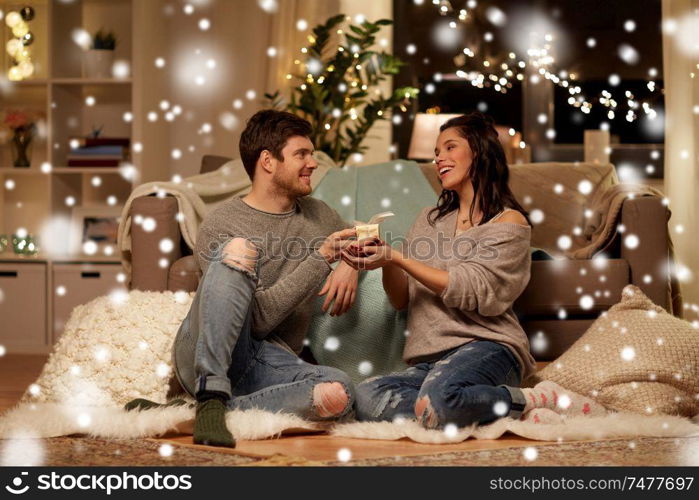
(513, 217)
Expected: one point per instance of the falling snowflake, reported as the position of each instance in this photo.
(119, 297)
(344, 455)
(84, 420)
(366, 368)
(585, 187)
(332, 344)
(500, 408)
(149, 224)
(101, 354)
(162, 370)
(628, 353)
(89, 247)
(586, 302)
(450, 431)
(530, 454)
(166, 450)
(181, 296)
(564, 242)
(536, 216)
(539, 343)
(631, 241)
(628, 54)
(564, 401)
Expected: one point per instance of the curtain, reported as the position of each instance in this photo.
(288, 40)
(681, 75)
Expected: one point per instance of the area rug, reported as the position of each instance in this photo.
(676, 452)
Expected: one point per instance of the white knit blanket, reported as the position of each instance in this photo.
(116, 348)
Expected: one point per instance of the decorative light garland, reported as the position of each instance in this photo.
(502, 72)
(18, 46)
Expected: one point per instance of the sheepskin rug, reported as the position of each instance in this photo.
(116, 348)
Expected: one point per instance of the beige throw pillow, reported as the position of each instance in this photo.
(636, 357)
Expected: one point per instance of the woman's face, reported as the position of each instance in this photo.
(453, 159)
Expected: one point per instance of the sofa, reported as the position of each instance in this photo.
(550, 309)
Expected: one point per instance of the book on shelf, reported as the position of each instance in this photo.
(99, 152)
(94, 163)
(102, 141)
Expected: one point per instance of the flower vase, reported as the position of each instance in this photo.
(21, 142)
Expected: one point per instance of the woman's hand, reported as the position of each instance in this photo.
(369, 254)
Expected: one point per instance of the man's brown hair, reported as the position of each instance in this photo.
(269, 130)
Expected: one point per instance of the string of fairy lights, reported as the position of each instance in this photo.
(18, 46)
(499, 71)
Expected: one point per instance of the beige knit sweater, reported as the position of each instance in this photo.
(489, 267)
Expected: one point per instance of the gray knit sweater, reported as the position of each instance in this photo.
(489, 267)
(290, 271)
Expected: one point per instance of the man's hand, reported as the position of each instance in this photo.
(335, 243)
(341, 286)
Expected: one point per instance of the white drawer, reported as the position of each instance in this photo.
(23, 307)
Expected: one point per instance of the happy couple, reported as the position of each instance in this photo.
(238, 346)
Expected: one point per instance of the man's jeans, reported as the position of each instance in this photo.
(464, 387)
(215, 351)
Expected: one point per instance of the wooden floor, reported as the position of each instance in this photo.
(17, 372)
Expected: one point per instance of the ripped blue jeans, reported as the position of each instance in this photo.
(473, 384)
(215, 351)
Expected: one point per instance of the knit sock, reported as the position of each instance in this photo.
(542, 416)
(552, 396)
(210, 424)
(145, 404)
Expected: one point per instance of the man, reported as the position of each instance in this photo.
(263, 259)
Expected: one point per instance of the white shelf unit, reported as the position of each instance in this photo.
(58, 90)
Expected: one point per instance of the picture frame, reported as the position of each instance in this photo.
(99, 225)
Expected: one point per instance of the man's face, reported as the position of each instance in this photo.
(292, 175)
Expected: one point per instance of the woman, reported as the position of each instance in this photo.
(464, 263)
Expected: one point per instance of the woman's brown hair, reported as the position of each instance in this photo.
(489, 172)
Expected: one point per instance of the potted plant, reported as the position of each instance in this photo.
(337, 86)
(19, 129)
(100, 56)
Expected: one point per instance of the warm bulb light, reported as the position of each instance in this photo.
(20, 29)
(14, 74)
(13, 47)
(12, 19)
